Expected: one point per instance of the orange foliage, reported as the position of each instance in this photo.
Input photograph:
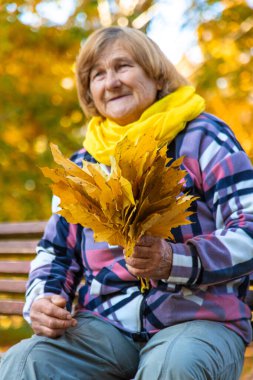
(225, 76)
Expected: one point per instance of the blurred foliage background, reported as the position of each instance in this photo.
(38, 96)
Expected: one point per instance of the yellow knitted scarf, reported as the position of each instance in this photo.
(167, 117)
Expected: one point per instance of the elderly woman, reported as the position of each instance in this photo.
(192, 323)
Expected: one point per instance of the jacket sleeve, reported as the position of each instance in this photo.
(224, 176)
(57, 267)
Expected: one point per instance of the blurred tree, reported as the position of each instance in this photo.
(225, 76)
(38, 96)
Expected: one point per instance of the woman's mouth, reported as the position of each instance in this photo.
(117, 97)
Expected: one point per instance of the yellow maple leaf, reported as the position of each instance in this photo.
(142, 194)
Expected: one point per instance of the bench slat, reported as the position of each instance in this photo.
(15, 267)
(22, 229)
(11, 307)
(13, 286)
(17, 247)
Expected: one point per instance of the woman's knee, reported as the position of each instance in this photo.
(191, 356)
(185, 367)
(15, 361)
(168, 364)
(12, 361)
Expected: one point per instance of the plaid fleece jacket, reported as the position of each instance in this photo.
(212, 257)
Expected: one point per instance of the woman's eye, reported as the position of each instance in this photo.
(97, 74)
(123, 65)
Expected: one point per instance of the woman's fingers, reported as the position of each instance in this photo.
(139, 272)
(152, 257)
(58, 301)
(147, 240)
(136, 262)
(51, 322)
(46, 306)
(48, 319)
(46, 331)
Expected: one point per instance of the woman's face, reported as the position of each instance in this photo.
(119, 87)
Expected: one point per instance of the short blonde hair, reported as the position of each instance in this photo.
(143, 50)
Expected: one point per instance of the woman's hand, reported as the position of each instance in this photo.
(49, 316)
(152, 258)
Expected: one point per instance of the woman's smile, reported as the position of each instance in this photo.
(118, 97)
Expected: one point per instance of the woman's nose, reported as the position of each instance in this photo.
(112, 80)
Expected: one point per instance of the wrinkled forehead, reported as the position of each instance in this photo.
(105, 49)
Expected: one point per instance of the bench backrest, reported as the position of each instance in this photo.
(17, 247)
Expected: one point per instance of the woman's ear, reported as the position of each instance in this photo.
(159, 88)
(159, 85)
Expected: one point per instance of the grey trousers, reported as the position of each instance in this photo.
(94, 349)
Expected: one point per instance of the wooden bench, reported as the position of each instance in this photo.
(17, 247)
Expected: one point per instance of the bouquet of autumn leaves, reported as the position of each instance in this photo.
(140, 195)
